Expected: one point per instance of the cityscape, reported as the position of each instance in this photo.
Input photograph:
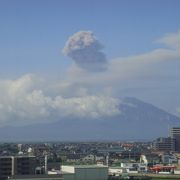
(89, 90)
(92, 160)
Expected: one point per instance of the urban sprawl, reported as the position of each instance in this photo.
(92, 160)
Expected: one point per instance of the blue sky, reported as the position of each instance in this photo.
(34, 32)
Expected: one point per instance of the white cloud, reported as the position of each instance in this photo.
(87, 107)
(171, 39)
(23, 102)
(124, 69)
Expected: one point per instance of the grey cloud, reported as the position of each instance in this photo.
(85, 50)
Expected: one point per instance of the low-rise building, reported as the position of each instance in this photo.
(93, 172)
(141, 167)
(64, 176)
(169, 159)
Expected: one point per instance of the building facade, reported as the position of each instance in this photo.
(165, 144)
(175, 134)
(6, 167)
(91, 172)
(16, 165)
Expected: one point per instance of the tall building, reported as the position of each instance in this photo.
(175, 134)
(16, 165)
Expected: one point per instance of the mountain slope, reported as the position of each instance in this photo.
(138, 120)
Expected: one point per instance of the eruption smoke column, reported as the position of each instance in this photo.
(85, 50)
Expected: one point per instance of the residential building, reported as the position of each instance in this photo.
(175, 133)
(165, 144)
(16, 165)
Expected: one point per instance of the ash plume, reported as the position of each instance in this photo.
(85, 50)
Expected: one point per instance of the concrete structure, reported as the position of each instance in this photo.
(45, 177)
(171, 143)
(175, 134)
(115, 171)
(140, 167)
(93, 172)
(6, 167)
(165, 144)
(89, 157)
(169, 159)
(16, 165)
(177, 171)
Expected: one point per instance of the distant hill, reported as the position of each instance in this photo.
(138, 121)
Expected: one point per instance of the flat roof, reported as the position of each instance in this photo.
(21, 156)
(86, 166)
(40, 176)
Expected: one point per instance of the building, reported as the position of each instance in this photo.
(171, 143)
(24, 165)
(6, 167)
(165, 144)
(169, 159)
(16, 165)
(64, 176)
(93, 172)
(131, 155)
(175, 134)
(89, 158)
(140, 167)
(161, 169)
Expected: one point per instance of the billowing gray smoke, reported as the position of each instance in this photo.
(85, 50)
